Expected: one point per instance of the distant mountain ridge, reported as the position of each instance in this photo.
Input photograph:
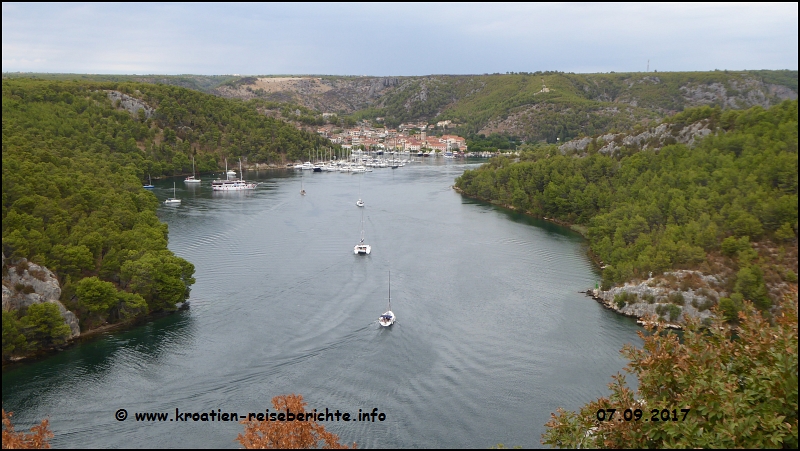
(533, 106)
(540, 106)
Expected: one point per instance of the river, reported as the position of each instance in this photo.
(493, 331)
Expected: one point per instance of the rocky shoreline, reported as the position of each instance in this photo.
(26, 284)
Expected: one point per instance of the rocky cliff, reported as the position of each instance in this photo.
(25, 284)
(653, 138)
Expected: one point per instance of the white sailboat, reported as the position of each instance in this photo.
(359, 202)
(302, 190)
(362, 248)
(191, 178)
(174, 199)
(388, 318)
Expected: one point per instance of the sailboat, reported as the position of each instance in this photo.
(149, 184)
(229, 173)
(359, 202)
(191, 178)
(361, 248)
(174, 199)
(388, 318)
(302, 190)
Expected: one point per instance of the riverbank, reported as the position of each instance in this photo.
(668, 299)
(595, 294)
(88, 335)
(581, 229)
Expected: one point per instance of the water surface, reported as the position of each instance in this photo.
(493, 332)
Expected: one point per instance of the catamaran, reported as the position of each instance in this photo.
(361, 248)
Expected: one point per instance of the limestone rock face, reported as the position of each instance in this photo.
(650, 295)
(131, 104)
(654, 138)
(28, 283)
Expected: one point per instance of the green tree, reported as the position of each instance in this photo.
(13, 339)
(44, 325)
(96, 296)
(750, 283)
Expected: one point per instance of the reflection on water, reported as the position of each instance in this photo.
(493, 331)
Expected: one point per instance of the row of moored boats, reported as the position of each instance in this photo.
(231, 183)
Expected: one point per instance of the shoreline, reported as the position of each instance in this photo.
(593, 293)
(88, 335)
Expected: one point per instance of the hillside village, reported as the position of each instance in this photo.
(411, 137)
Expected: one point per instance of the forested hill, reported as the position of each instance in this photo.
(532, 106)
(75, 155)
(540, 106)
(727, 206)
(158, 128)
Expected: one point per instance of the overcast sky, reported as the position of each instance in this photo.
(396, 38)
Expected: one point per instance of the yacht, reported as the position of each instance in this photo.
(232, 185)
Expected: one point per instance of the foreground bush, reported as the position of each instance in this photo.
(740, 391)
(288, 434)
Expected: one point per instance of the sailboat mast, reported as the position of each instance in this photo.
(390, 290)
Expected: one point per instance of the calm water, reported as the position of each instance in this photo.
(492, 334)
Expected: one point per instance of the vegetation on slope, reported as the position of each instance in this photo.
(538, 106)
(678, 207)
(73, 166)
(710, 389)
(543, 106)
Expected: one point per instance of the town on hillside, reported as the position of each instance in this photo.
(410, 137)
